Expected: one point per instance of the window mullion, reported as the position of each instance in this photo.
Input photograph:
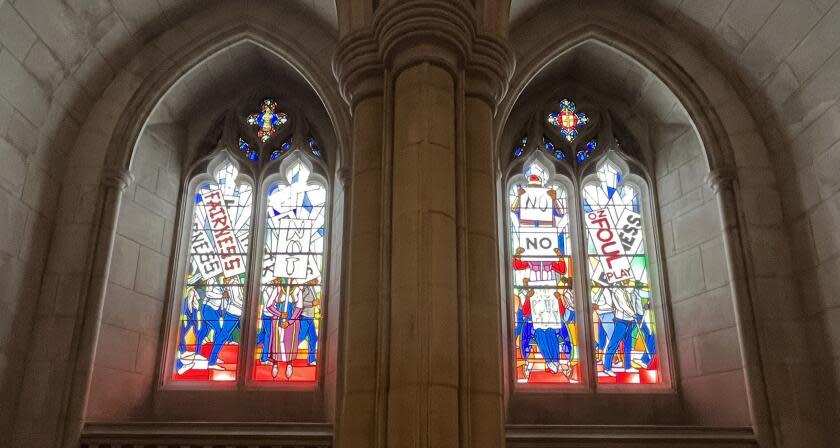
(252, 287)
(582, 291)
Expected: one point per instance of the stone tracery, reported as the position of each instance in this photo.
(373, 94)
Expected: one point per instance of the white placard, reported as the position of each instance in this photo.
(612, 262)
(538, 241)
(227, 244)
(545, 309)
(294, 244)
(203, 253)
(630, 231)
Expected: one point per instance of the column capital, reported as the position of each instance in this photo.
(720, 179)
(490, 68)
(344, 176)
(357, 66)
(118, 178)
(416, 31)
(408, 32)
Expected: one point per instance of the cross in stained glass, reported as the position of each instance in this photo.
(268, 120)
(568, 119)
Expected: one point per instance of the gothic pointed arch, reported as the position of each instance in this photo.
(584, 294)
(249, 284)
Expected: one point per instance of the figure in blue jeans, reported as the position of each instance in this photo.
(308, 330)
(623, 331)
(189, 321)
(649, 339)
(211, 312)
(215, 316)
(623, 320)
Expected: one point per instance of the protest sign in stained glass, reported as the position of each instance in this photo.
(291, 281)
(545, 326)
(619, 272)
(215, 280)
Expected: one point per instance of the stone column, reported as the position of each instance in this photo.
(86, 333)
(360, 388)
(483, 360)
(421, 351)
(424, 344)
(722, 183)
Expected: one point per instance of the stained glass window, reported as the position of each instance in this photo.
(553, 150)
(520, 147)
(619, 280)
(246, 148)
(284, 148)
(546, 338)
(276, 282)
(268, 120)
(313, 146)
(584, 154)
(291, 281)
(568, 119)
(216, 277)
(594, 212)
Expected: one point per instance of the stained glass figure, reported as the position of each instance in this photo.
(520, 148)
(291, 281)
(583, 154)
(620, 290)
(268, 120)
(246, 148)
(554, 151)
(313, 146)
(215, 279)
(546, 337)
(284, 148)
(568, 120)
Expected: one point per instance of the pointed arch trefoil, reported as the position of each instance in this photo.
(249, 286)
(583, 272)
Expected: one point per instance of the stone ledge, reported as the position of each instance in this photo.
(535, 436)
(192, 434)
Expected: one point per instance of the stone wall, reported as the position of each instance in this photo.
(706, 348)
(57, 59)
(138, 288)
(784, 57)
(36, 131)
(68, 70)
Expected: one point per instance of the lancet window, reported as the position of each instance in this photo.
(249, 286)
(583, 272)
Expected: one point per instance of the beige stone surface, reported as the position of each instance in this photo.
(769, 70)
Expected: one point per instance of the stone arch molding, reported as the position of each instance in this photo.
(664, 66)
(718, 116)
(105, 147)
(157, 84)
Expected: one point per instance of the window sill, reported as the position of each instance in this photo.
(627, 435)
(191, 434)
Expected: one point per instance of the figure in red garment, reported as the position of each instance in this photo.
(518, 264)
